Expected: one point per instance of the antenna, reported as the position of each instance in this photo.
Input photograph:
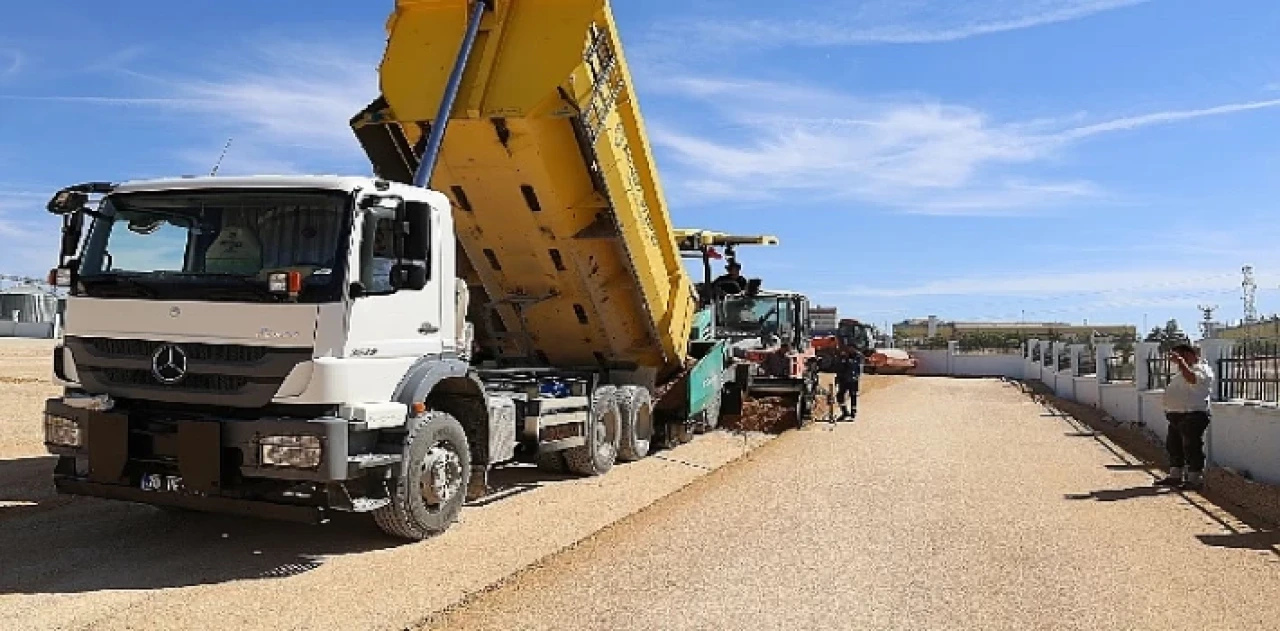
(1250, 296)
(218, 164)
(1207, 325)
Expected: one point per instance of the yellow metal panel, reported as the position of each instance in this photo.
(526, 48)
(580, 270)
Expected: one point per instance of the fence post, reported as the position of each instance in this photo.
(953, 349)
(1103, 353)
(1213, 351)
(1076, 351)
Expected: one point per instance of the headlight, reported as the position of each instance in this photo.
(61, 431)
(300, 452)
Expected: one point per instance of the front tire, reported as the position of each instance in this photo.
(435, 472)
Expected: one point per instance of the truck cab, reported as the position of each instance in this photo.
(262, 343)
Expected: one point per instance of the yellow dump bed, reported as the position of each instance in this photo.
(557, 201)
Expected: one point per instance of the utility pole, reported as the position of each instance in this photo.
(1207, 328)
(1250, 287)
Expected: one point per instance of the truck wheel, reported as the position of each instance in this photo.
(598, 455)
(428, 494)
(635, 405)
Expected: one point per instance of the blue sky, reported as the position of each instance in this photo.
(1098, 160)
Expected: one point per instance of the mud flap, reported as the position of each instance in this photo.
(108, 441)
(200, 455)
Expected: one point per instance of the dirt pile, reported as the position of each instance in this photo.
(771, 415)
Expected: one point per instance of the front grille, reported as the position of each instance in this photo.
(216, 374)
(220, 353)
(202, 382)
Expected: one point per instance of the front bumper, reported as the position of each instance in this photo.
(249, 508)
(218, 461)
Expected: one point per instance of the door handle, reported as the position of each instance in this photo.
(427, 328)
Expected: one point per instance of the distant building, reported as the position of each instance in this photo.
(823, 318)
(1266, 329)
(914, 331)
(29, 311)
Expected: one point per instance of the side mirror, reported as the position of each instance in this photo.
(412, 277)
(414, 226)
(66, 202)
(413, 246)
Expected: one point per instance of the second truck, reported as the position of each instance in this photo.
(507, 287)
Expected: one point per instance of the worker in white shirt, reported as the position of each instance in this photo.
(1186, 406)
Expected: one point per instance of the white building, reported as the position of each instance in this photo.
(823, 318)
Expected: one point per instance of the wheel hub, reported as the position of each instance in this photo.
(441, 475)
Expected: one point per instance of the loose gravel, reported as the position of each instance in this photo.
(948, 504)
(26, 380)
(73, 563)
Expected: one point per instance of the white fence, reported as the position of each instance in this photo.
(1244, 435)
(40, 330)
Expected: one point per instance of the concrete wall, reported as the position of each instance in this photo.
(39, 330)
(1065, 386)
(1120, 400)
(1086, 390)
(1153, 412)
(1243, 435)
(932, 362)
(1247, 437)
(987, 365)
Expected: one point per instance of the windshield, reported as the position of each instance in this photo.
(217, 245)
(755, 316)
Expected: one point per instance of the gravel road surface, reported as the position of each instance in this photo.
(80, 563)
(948, 504)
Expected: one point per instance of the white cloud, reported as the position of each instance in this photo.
(916, 155)
(287, 105)
(873, 22)
(28, 236)
(1160, 118)
(298, 95)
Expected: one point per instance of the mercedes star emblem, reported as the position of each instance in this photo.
(175, 312)
(169, 364)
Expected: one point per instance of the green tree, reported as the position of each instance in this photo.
(1168, 336)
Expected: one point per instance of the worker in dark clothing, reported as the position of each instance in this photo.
(731, 282)
(848, 373)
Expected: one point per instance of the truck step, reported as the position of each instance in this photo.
(369, 461)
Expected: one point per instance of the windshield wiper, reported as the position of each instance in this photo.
(122, 280)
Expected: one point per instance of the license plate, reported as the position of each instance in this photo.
(164, 483)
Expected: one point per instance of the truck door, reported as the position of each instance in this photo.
(395, 322)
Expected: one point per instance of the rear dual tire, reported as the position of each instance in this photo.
(603, 436)
(635, 405)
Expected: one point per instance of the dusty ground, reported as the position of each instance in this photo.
(949, 504)
(25, 382)
(72, 563)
